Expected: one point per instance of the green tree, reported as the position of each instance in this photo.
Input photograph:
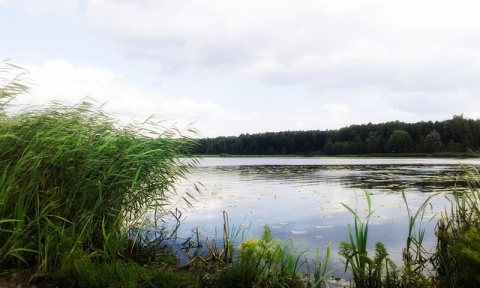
(456, 135)
(458, 130)
(399, 142)
(373, 143)
(329, 148)
(433, 142)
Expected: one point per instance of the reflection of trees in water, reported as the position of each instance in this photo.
(419, 177)
(424, 178)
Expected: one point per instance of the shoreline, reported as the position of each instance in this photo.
(383, 155)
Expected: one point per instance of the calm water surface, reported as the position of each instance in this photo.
(300, 198)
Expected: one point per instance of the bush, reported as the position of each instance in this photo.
(262, 263)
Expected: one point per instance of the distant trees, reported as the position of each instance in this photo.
(454, 135)
(432, 142)
(399, 142)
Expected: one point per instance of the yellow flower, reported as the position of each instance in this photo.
(250, 244)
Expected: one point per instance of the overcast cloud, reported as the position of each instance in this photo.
(234, 67)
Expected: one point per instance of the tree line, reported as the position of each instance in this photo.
(457, 135)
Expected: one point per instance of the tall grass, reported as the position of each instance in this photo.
(417, 260)
(379, 270)
(265, 262)
(321, 274)
(458, 234)
(456, 261)
(355, 251)
(72, 178)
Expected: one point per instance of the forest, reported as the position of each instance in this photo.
(456, 135)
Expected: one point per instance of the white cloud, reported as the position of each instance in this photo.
(253, 66)
(441, 104)
(191, 34)
(319, 44)
(336, 108)
(59, 80)
(36, 7)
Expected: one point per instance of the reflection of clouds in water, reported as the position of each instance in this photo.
(323, 227)
(297, 232)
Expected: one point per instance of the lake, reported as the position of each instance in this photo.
(300, 198)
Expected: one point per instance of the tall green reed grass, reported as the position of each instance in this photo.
(73, 178)
(458, 232)
(379, 270)
(320, 273)
(355, 251)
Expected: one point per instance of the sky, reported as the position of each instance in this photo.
(251, 66)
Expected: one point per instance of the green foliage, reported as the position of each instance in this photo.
(321, 274)
(96, 270)
(458, 233)
(405, 277)
(355, 251)
(399, 142)
(380, 271)
(466, 252)
(455, 263)
(433, 142)
(415, 256)
(262, 263)
(456, 135)
(71, 177)
(371, 274)
(92, 271)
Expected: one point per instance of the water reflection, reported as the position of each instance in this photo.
(300, 198)
(422, 178)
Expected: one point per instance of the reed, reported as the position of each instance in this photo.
(458, 232)
(321, 274)
(379, 270)
(73, 178)
(416, 258)
(355, 251)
